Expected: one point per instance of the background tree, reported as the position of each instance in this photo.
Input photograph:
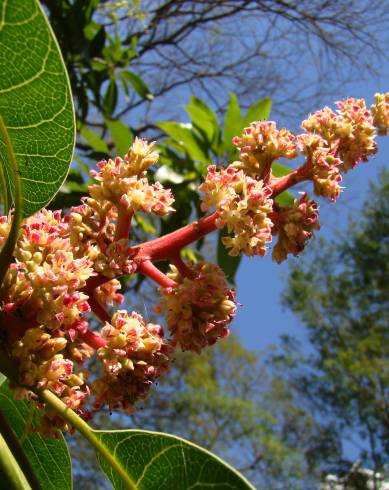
(134, 60)
(340, 292)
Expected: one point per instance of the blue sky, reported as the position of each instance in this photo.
(260, 281)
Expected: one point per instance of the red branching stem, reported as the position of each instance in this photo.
(93, 339)
(182, 268)
(94, 282)
(148, 269)
(266, 172)
(170, 245)
(98, 310)
(280, 184)
(123, 224)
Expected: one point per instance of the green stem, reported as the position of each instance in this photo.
(10, 468)
(17, 451)
(7, 200)
(9, 246)
(83, 428)
(8, 368)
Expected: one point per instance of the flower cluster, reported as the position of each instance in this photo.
(260, 144)
(199, 309)
(349, 133)
(134, 356)
(294, 225)
(243, 205)
(324, 166)
(67, 268)
(380, 111)
(123, 182)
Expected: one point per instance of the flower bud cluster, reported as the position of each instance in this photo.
(107, 294)
(135, 355)
(349, 132)
(92, 233)
(294, 225)
(243, 205)
(123, 182)
(260, 144)
(325, 167)
(199, 309)
(380, 111)
(43, 298)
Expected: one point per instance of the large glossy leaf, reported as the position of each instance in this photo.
(157, 461)
(35, 102)
(48, 457)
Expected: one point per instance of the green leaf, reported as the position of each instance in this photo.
(94, 140)
(204, 119)
(157, 461)
(49, 457)
(285, 199)
(110, 98)
(228, 263)
(258, 111)
(186, 138)
(279, 169)
(121, 135)
(145, 223)
(233, 124)
(35, 102)
(98, 64)
(167, 174)
(138, 84)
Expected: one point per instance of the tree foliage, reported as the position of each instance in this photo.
(134, 60)
(340, 292)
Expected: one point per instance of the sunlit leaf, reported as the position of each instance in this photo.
(204, 119)
(156, 461)
(258, 111)
(121, 135)
(233, 123)
(35, 102)
(186, 138)
(284, 199)
(279, 169)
